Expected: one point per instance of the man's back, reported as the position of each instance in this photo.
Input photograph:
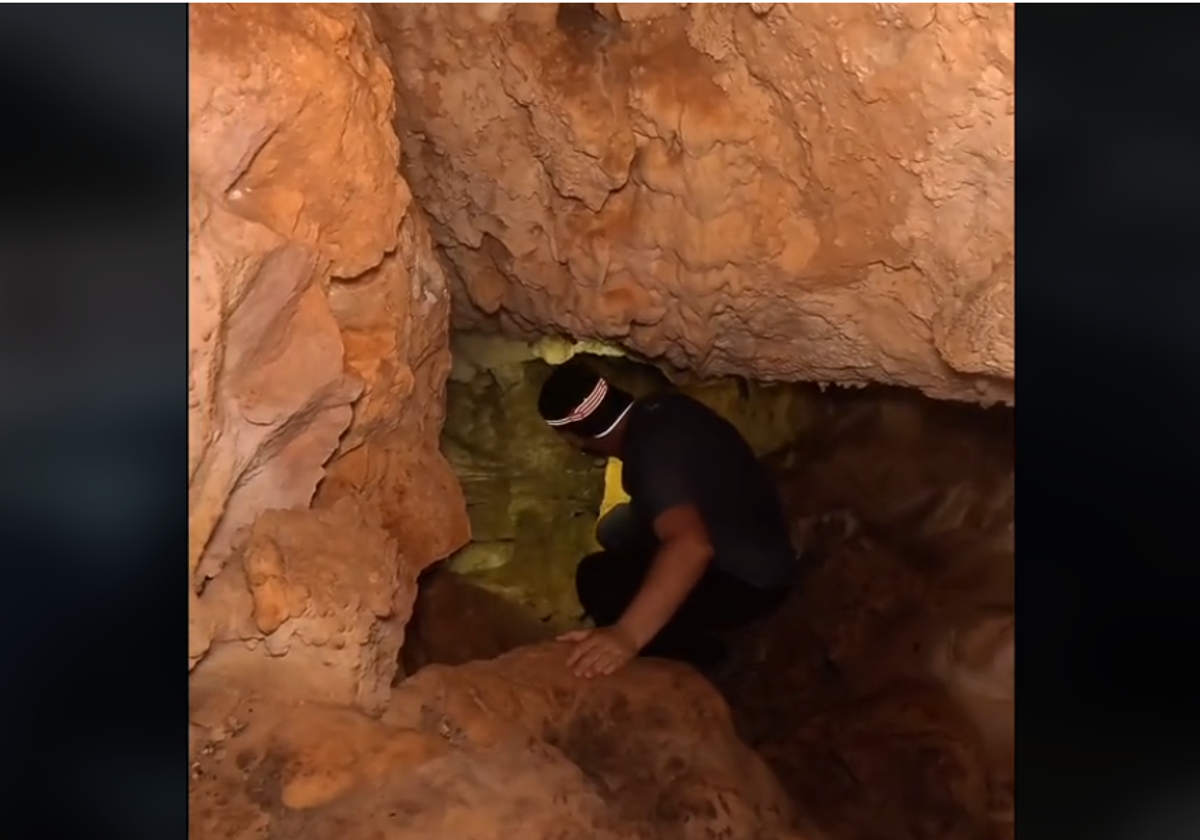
(679, 451)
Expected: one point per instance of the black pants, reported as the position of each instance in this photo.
(607, 582)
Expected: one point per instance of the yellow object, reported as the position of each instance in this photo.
(556, 350)
(614, 494)
(474, 352)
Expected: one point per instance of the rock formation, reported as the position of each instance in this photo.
(778, 191)
(319, 322)
(783, 191)
(515, 747)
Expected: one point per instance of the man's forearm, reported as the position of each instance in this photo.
(674, 572)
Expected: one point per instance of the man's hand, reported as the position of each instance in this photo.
(600, 652)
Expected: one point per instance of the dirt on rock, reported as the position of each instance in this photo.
(455, 622)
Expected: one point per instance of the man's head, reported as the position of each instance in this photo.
(585, 408)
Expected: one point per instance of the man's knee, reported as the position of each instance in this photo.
(614, 527)
(622, 530)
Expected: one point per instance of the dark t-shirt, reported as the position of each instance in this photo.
(679, 451)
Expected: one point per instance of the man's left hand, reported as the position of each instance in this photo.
(599, 652)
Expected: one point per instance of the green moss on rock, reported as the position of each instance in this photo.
(532, 500)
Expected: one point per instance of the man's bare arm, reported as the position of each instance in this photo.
(683, 555)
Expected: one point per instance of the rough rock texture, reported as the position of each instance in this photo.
(395, 324)
(318, 314)
(785, 191)
(894, 663)
(323, 594)
(515, 747)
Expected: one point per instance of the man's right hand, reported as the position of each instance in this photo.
(600, 652)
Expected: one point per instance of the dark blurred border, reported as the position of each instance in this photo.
(93, 332)
(1108, 302)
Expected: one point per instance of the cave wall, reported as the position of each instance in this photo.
(919, 594)
(532, 499)
(782, 191)
(843, 215)
(318, 351)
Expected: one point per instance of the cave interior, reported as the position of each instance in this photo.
(902, 506)
(402, 218)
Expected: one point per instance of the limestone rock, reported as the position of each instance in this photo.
(294, 185)
(268, 396)
(515, 747)
(329, 597)
(395, 323)
(881, 693)
(784, 191)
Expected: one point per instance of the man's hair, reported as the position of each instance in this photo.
(576, 399)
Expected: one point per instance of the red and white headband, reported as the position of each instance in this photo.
(586, 408)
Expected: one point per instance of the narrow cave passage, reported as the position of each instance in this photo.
(880, 693)
(785, 192)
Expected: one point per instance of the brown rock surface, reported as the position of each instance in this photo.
(455, 621)
(318, 313)
(395, 322)
(316, 609)
(882, 693)
(785, 191)
(515, 747)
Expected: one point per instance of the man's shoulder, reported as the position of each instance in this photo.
(672, 417)
(671, 405)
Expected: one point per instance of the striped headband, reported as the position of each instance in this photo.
(586, 408)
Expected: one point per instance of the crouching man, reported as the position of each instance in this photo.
(701, 548)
